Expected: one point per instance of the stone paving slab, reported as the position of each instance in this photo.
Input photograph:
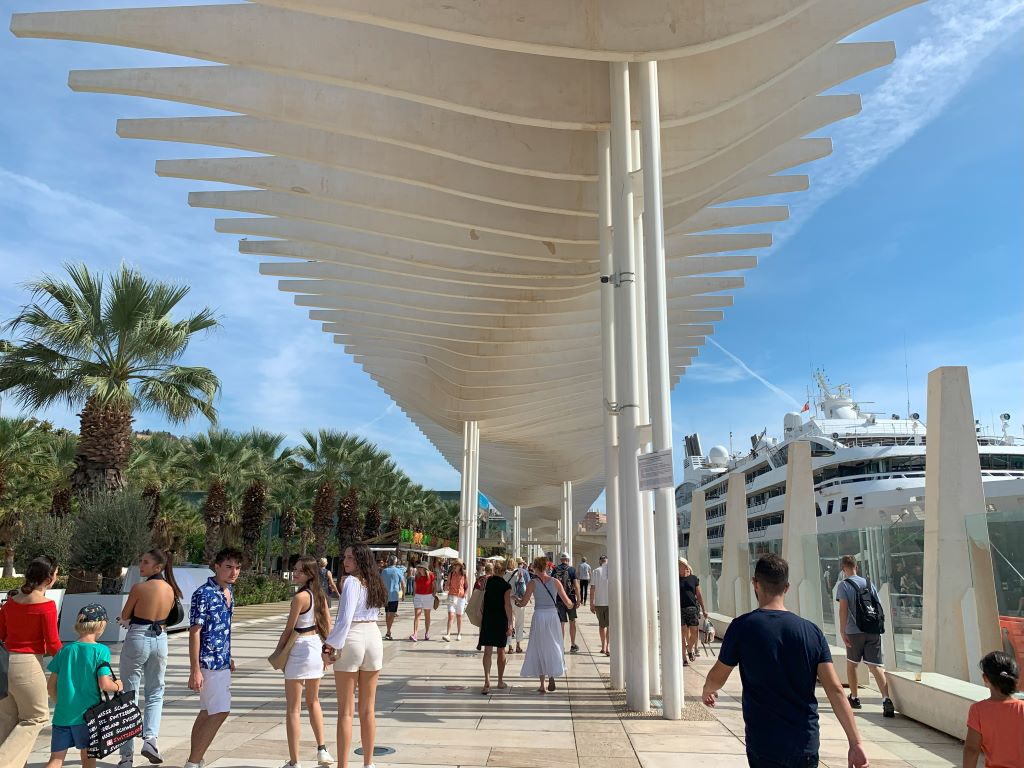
(431, 710)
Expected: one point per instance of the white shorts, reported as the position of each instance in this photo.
(215, 696)
(456, 605)
(363, 650)
(425, 602)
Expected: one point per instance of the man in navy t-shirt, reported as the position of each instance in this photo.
(781, 656)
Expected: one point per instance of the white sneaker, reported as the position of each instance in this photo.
(446, 638)
(290, 764)
(200, 764)
(323, 757)
(457, 637)
(125, 762)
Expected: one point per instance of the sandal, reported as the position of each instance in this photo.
(486, 691)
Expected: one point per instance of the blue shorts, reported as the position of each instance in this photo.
(65, 737)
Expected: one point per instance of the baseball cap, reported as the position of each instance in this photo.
(92, 612)
(603, 557)
(564, 556)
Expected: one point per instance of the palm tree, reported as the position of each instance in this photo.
(266, 461)
(106, 344)
(57, 456)
(288, 494)
(19, 443)
(329, 455)
(382, 480)
(213, 460)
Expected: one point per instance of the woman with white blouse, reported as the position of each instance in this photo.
(356, 649)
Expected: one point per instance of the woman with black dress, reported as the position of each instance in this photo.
(496, 624)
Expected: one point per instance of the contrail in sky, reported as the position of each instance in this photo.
(777, 390)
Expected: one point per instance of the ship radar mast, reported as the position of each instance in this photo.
(838, 405)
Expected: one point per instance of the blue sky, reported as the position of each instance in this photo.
(908, 248)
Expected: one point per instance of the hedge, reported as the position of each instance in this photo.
(13, 582)
(255, 588)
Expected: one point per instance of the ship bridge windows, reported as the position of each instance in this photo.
(1001, 461)
(828, 509)
(755, 473)
(844, 504)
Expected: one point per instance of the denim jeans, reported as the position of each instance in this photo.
(764, 761)
(144, 655)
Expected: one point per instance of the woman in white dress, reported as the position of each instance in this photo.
(545, 653)
(516, 580)
(310, 619)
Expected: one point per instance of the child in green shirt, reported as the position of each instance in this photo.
(75, 685)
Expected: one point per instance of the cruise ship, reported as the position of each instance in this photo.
(869, 471)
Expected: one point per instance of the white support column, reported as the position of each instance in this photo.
(666, 532)
(799, 531)
(531, 548)
(464, 517)
(568, 528)
(734, 586)
(611, 427)
(474, 494)
(957, 622)
(517, 537)
(647, 498)
(638, 696)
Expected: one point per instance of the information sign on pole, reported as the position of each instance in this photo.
(655, 470)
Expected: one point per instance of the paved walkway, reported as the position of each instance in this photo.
(431, 711)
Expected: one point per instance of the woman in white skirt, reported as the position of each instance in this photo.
(310, 619)
(545, 653)
(356, 649)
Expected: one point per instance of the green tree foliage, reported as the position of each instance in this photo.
(112, 530)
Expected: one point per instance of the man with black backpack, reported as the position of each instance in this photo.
(862, 623)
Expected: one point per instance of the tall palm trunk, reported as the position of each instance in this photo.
(287, 534)
(104, 447)
(323, 518)
(254, 513)
(215, 510)
(348, 519)
(373, 522)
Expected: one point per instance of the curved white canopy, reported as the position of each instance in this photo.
(427, 177)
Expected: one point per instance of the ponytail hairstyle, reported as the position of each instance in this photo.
(376, 592)
(166, 562)
(38, 573)
(1002, 670)
(309, 572)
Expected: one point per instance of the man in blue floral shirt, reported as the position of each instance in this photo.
(209, 651)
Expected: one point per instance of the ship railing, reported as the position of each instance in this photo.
(864, 478)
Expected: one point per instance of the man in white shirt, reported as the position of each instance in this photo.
(599, 601)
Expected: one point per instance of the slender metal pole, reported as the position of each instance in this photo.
(666, 533)
(464, 495)
(611, 426)
(638, 696)
(517, 537)
(474, 495)
(647, 499)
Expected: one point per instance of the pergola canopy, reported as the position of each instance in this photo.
(427, 181)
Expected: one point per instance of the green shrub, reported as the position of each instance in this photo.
(256, 588)
(45, 535)
(112, 533)
(13, 582)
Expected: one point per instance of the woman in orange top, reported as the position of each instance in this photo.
(456, 600)
(423, 600)
(995, 726)
(28, 629)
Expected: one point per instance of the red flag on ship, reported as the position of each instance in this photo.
(806, 408)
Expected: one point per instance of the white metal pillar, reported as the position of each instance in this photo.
(659, 382)
(464, 507)
(647, 498)
(638, 697)
(474, 493)
(517, 537)
(611, 431)
(567, 527)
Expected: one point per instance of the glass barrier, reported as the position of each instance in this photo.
(998, 538)
(892, 555)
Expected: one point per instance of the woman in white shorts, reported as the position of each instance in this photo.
(310, 619)
(425, 586)
(356, 648)
(456, 600)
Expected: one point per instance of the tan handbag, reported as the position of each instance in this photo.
(437, 602)
(280, 657)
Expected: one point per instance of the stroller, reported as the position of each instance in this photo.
(707, 637)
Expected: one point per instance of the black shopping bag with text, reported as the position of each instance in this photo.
(112, 722)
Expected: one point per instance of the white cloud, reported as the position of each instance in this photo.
(919, 86)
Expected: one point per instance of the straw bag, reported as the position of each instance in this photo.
(475, 608)
(280, 657)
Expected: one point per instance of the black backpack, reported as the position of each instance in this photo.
(870, 617)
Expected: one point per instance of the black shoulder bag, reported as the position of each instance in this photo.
(112, 722)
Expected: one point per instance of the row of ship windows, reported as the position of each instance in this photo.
(844, 504)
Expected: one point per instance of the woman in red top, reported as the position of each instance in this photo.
(423, 600)
(28, 629)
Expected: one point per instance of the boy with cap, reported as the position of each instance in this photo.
(75, 684)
